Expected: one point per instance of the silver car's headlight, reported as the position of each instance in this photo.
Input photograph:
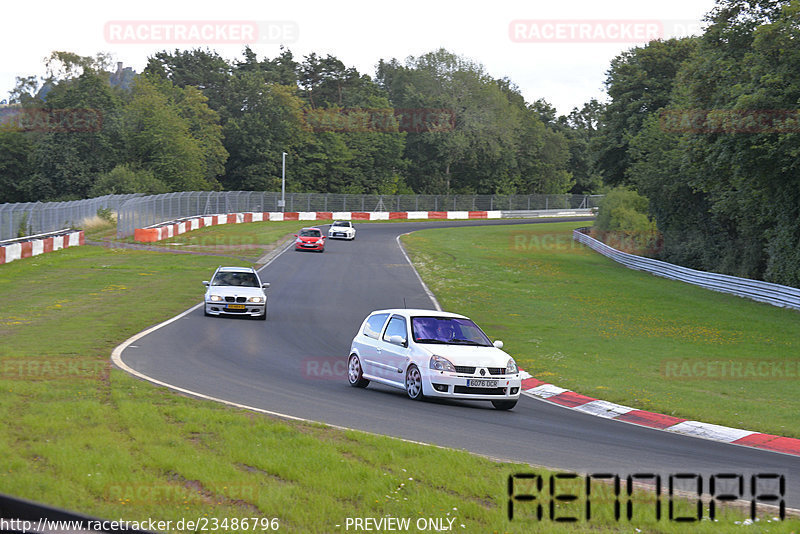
(441, 364)
(257, 300)
(511, 367)
(215, 298)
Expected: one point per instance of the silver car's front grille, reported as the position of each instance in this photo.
(235, 299)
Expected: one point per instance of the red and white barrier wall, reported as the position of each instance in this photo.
(165, 231)
(34, 247)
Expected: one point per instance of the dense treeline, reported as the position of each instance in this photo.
(708, 129)
(193, 120)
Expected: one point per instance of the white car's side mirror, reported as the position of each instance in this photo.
(206, 282)
(498, 344)
(265, 285)
(397, 340)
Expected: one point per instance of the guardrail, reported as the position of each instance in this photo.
(21, 515)
(25, 247)
(775, 294)
(38, 217)
(145, 211)
(165, 230)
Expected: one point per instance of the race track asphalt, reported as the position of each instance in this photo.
(294, 364)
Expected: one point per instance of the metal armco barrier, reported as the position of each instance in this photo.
(22, 515)
(775, 294)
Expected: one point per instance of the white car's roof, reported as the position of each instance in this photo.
(236, 269)
(418, 312)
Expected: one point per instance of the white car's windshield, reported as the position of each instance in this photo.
(235, 279)
(448, 330)
(345, 224)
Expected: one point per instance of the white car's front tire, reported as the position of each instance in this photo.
(414, 383)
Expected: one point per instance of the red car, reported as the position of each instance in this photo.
(310, 239)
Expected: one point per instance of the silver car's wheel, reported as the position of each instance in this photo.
(354, 375)
(414, 383)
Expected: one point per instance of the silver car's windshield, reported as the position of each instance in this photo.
(235, 279)
(448, 330)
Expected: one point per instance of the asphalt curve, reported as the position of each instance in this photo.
(294, 364)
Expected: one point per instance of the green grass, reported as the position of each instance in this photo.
(244, 240)
(85, 437)
(576, 319)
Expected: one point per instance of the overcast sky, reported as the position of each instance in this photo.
(563, 62)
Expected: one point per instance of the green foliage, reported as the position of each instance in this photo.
(623, 222)
(172, 133)
(197, 121)
(496, 143)
(724, 196)
(22, 227)
(15, 166)
(125, 178)
(639, 83)
(619, 209)
(106, 214)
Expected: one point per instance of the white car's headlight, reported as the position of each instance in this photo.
(256, 299)
(511, 367)
(215, 298)
(441, 364)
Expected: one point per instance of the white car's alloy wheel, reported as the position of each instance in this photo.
(414, 383)
(354, 375)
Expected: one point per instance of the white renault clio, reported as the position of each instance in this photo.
(430, 353)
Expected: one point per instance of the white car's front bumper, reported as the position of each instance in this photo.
(224, 308)
(341, 235)
(450, 385)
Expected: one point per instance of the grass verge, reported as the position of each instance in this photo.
(89, 438)
(581, 321)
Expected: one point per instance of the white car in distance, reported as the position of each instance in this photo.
(342, 230)
(430, 353)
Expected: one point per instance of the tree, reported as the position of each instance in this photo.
(15, 166)
(205, 70)
(639, 82)
(493, 143)
(126, 178)
(160, 139)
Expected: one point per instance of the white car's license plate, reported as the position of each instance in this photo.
(235, 307)
(473, 383)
